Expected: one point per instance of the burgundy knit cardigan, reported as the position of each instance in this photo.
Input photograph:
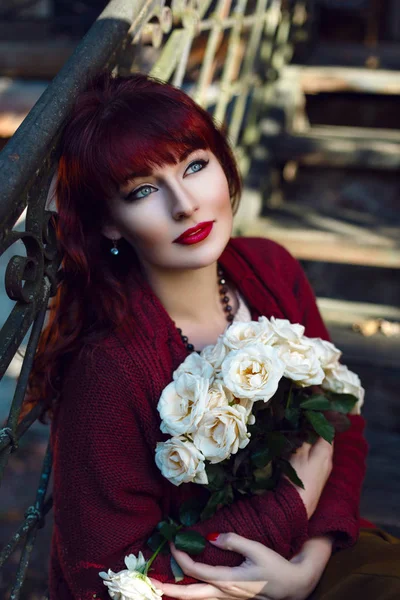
(109, 494)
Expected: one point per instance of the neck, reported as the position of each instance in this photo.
(188, 295)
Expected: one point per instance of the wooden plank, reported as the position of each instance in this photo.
(314, 80)
(336, 146)
(383, 56)
(375, 351)
(345, 312)
(323, 246)
(366, 134)
(310, 219)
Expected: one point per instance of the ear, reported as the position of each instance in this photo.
(111, 232)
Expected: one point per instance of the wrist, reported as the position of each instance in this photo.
(311, 562)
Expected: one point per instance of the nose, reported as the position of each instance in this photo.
(183, 203)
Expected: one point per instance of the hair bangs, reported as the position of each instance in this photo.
(131, 143)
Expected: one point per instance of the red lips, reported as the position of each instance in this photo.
(195, 234)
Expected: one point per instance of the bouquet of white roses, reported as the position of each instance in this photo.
(235, 413)
(239, 408)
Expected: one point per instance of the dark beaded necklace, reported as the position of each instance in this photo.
(223, 291)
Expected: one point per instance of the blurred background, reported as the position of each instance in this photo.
(323, 182)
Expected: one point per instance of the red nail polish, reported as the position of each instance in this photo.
(212, 537)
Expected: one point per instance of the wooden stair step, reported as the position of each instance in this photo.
(322, 145)
(375, 351)
(323, 246)
(386, 55)
(314, 79)
(346, 313)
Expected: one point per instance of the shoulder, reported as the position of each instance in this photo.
(98, 374)
(96, 356)
(127, 368)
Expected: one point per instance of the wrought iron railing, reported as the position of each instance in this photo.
(224, 52)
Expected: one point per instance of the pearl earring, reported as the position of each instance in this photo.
(114, 251)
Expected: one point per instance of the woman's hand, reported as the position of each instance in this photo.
(313, 464)
(264, 574)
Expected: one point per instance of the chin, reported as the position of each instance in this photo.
(200, 256)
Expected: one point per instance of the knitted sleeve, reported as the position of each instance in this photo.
(109, 495)
(338, 509)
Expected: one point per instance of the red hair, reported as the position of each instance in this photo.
(119, 126)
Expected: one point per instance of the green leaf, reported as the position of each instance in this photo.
(338, 420)
(291, 473)
(277, 443)
(168, 530)
(241, 485)
(228, 494)
(216, 476)
(321, 425)
(292, 415)
(261, 458)
(190, 511)
(176, 571)
(343, 403)
(190, 542)
(262, 477)
(155, 541)
(214, 500)
(312, 437)
(317, 402)
(241, 460)
(259, 487)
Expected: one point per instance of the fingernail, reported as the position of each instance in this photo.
(212, 537)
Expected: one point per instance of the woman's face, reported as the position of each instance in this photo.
(154, 209)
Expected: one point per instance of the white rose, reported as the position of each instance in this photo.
(285, 331)
(343, 381)
(248, 406)
(301, 363)
(253, 372)
(222, 432)
(328, 354)
(241, 334)
(215, 353)
(131, 583)
(218, 395)
(182, 404)
(180, 461)
(196, 365)
(135, 564)
(267, 331)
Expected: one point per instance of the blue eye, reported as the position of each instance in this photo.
(141, 192)
(196, 166)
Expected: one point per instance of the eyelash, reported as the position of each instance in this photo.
(132, 195)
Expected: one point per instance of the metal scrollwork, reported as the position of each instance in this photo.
(50, 250)
(162, 21)
(24, 275)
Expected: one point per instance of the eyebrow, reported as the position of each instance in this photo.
(147, 172)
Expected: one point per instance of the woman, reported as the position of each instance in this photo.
(146, 191)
